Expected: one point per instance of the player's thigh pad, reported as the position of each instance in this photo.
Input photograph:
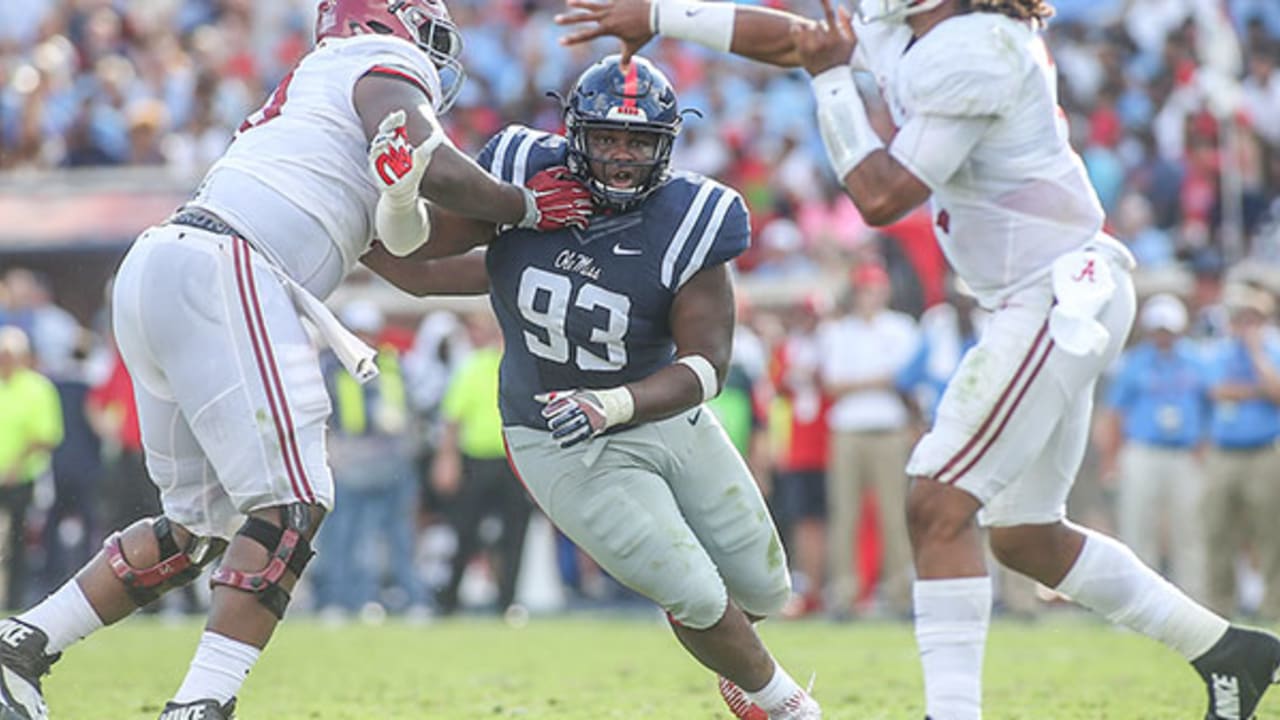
(205, 326)
(1015, 405)
(610, 496)
(721, 501)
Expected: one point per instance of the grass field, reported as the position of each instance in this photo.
(591, 669)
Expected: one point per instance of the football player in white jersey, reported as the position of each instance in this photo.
(207, 313)
(971, 90)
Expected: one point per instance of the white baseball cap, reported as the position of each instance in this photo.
(1164, 312)
(362, 316)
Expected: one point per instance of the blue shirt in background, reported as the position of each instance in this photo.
(1245, 423)
(1162, 397)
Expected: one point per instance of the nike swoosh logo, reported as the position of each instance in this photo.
(619, 250)
(690, 12)
(693, 419)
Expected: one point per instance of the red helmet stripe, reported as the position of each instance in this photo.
(631, 85)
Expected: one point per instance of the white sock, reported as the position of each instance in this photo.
(65, 616)
(952, 616)
(218, 669)
(776, 692)
(1111, 581)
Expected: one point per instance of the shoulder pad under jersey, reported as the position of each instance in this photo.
(714, 225)
(519, 152)
(967, 66)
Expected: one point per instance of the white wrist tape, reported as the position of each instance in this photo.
(531, 212)
(705, 372)
(402, 229)
(618, 403)
(842, 120)
(709, 24)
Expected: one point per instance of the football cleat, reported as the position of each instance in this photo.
(22, 663)
(199, 710)
(739, 704)
(1237, 670)
(800, 706)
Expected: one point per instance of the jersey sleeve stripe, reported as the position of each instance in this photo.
(521, 164)
(709, 235)
(398, 74)
(499, 160)
(682, 233)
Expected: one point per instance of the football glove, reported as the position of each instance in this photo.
(576, 415)
(554, 199)
(395, 164)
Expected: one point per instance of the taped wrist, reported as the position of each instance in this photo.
(617, 404)
(402, 229)
(705, 372)
(842, 120)
(531, 213)
(709, 24)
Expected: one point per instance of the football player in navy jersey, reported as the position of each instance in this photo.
(615, 337)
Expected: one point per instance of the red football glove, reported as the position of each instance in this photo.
(554, 199)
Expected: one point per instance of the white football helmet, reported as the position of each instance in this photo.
(892, 10)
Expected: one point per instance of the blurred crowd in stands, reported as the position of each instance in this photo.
(1165, 110)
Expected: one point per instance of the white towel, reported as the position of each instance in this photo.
(1082, 286)
(358, 358)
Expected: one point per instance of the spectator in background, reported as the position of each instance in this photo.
(371, 453)
(1152, 425)
(800, 484)
(947, 331)
(127, 492)
(30, 428)
(737, 407)
(471, 468)
(1243, 498)
(863, 351)
(782, 255)
(52, 331)
(70, 529)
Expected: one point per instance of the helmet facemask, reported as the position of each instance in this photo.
(439, 38)
(651, 154)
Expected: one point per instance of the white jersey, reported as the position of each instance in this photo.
(1020, 198)
(295, 180)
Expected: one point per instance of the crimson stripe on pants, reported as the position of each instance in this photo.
(999, 406)
(1012, 408)
(267, 372)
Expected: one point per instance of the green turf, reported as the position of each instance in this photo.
(584, 668)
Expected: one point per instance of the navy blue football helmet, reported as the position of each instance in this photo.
(638, 98)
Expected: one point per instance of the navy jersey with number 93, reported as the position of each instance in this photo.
(590, 309)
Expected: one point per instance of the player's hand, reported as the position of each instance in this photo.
(395, 164)
(572, 415)
(827, 43)
(627, 20)
(554, 199)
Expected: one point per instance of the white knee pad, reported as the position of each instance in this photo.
(701, 607)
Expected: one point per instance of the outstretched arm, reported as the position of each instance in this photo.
(458, 275)
(758, 33)
(406, 140)
(442, 266)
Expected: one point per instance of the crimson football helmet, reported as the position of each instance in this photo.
(891, 10)
(425, 23)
